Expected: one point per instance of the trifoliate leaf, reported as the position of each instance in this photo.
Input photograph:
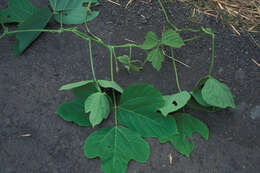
(17, 11)
(156, 57)
(74, 112)
(124, 59)
(174, 102)
(137, 111)
(150, 41)
(116, 146)
(98, 106)
(37, 21)
(217, 94)
(73, 11)
(172, 38)
(110, 84)
(187, 125)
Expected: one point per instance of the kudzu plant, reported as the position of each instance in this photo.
(141, 111)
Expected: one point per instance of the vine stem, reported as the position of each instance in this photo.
(212, 55)
(91, 60)
(166, 16)
(175, 70)
(111, 50)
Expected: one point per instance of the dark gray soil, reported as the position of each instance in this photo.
(29, 95)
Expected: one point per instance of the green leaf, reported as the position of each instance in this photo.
(195, 105)
(174, 102)
(217, 94)
(116, 146)
(17, 11)
(99, 107)
(74, 112)
(137, 111)
(156, 57)
(150, 41)
(76, 84)
(110, 84)
(135, 68)
(187, 125)
(172, 38)
(73, 11)
(85, 91)
(37, 21)
(196, 93)
(125, 59)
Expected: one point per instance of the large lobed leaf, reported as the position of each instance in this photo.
(73, 11)
(116, 146)
(18, 11)
(37, 21)
(187, 125)
(137, 111)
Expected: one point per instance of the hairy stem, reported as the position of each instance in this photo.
(166, 16)
(212, 55)
(175, 70)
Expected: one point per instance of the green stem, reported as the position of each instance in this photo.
(194, 38)
(91, 60)
(166, 16)
(175, 70)
(33, 30)
(212, 55)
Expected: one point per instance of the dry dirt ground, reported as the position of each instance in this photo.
(29, 95)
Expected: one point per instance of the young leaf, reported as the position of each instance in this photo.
(17, 11)
(137, 111)
(150, 41)
(135, 68)
(74, 112)
(172, 38)
(99, 107)
(187, 125)
(156, 57)
(116, 146)
(217, 94)
(75, 85)
(110, 84)
(174, 102)
(124, 59)
(37, 21)
(73, 11)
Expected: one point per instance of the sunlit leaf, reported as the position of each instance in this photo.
(172, 38)
(73, 11)
(174, 102)
(116, 146)
(98, 106)
(187, 125)
(110, 84)
(150, 41)
(156, 57)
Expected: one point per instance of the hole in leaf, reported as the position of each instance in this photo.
(175, 103)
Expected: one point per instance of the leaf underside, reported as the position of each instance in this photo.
(116, 146)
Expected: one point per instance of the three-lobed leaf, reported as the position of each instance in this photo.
(187, 125)
(174, 102)
(37, 21)
(73, 11)
(156, 57)
(116, 146)
(137, 111)
(74, 112)
(217, 94)
(150, 41)
(18, 11)
(98, 106)
(172, 38)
